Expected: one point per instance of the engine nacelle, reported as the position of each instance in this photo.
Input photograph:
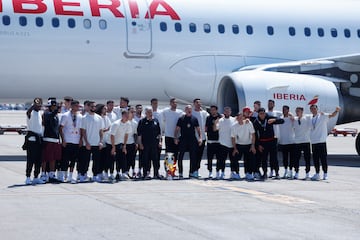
(240, 89)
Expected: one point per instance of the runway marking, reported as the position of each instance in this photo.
(278, 198)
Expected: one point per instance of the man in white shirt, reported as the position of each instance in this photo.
(109, 111)
(223, 125)
(92, 126)
(32, 143)
(70, 135)
(124, 105)
(318, 135)
(170, 117)
(286, 142)
(302, 126)
(243, 141)
(201, 116)
(119, 135)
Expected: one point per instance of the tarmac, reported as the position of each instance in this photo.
(181, 209)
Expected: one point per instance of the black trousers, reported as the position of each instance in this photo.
(109, 160)
(120, 159)
(33, 158)
(85, 157)
(171, 147)
(190, 146)
(320, 154)
(200, 152)
(298, 148)
(70, 156)
(270, 148)
(150, 154)
(288, 155)
(249, 158)
(224, 153)
(212, 150)
(131, 155)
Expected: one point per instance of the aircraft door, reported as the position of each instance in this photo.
(138, 24)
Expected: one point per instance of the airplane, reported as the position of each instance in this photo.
(228, 53)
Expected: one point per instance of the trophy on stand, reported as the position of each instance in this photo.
(170, 166)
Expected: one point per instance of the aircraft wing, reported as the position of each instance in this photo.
(346, 63)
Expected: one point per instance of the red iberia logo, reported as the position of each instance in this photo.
(314, 100)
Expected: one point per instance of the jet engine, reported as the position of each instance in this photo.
(242, 88)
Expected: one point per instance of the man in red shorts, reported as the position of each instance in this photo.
(51, 140)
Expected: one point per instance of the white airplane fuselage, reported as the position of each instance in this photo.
(134, 57)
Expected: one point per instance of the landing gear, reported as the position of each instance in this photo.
(357, 144)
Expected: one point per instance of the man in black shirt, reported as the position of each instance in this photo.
(265, 140)
(186, 126)
(149, 138)
(212, 137)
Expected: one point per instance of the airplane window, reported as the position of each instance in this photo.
(270, 30)
(249, 29)
(163, 26)
(178, 27)
(55, 22)
(334, 32)
(207, 28)
(102, 24)
(87, 23)
(6, 20)
(321, 32)
(71, 23)
(358, 32)
(39, 21)
(307, 32)
(192, 27)
(292, 31)
(221, 28)
(347, 33)
(235, 29)
(22, 21)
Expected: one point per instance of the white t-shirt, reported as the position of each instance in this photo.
(302, 129)
(169, 120)
(112, 116)
(118, 111)
(107, 124)
(277, 114)
(92, 124)
(34, 124)
(201, 117)
(157, 115)
(319, 130)
(224, 127)
(242, 133)
(133, 131)
(119, 129)
(286, 132)
(71, 129)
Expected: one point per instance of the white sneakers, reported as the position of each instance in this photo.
(37, 181)
(249, 176)
(316, 177)
(28, 181)
(286, 174)
(217, 175)
(34, 181)
(325, 176)
(235, 176)
(296, 176)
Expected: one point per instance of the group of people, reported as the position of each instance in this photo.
(62, 137)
